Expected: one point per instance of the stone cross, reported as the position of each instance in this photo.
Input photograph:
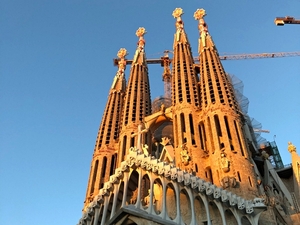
(139, 137)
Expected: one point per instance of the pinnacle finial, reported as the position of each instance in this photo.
(177, 13)
(291, 147)
(122, 53)
(122, 62)
(141, 32)
(199, 15)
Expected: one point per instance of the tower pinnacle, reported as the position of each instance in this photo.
(139, 56)
(180, 35)
(118, 83)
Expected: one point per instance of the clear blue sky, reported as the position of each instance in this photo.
(56, 69)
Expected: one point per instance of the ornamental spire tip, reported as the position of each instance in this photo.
(177, 13)
(199, 14)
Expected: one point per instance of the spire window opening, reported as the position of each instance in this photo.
(192, 129)
(104, 161)
(250, 182)
(94, 177)
(208, 174)
(113, 164)
(239, 176)
(132, 140)
(239, 138)
(124, 147)
(227, 127)
(202, 134)
(183, 131)
(209, 133)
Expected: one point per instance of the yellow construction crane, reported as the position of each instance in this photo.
(280, 21)
(165, 62)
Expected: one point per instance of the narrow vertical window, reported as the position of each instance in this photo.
(201, 138)
(183, 131)
(192, 129)
(218, 127)
(112, 165)
(208, 174)
(132, 141)
(104, 161)
(239, 176)
(250, 182)
(227, 127)
(210, 138)
(94, 176)
(124, 147)
(239, 139)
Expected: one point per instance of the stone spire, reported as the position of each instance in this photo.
(184, 77)
(215, 84)
(221, 123)
(110, 124)
(105, 157)
(137, 103)
(185, 96)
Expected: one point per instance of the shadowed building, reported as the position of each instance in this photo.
(192, 158)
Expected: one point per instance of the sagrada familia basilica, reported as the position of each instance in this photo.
(189, 157)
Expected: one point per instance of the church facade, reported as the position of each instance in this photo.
(189, 157)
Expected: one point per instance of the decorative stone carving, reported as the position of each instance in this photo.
(259, 202)
(224, 162)
(145, 150)
(227, 182)
(291, 147)
(217, 192)
(201, 185)
(202, 26)
(180, 176)
(187, 179)
(224, 196)
(184, 155)
(264, 155)
(249, 207)
(147, 199)
(194, 182)
(209, 188)
(174, 173)
(179, 23)
(122, 63)
(134, 196)
(232, 199)
(241, 203)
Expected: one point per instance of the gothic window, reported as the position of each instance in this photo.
(94, 176)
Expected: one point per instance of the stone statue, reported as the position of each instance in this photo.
(147, 199)
(134, 196)
(291, 147)
(264, 155)
(224, 162)
(145, 150)
(184, 155)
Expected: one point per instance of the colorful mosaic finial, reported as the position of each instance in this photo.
(122, 53)
(122, 63)
(199, 15)
(177, 13)
(140, 32)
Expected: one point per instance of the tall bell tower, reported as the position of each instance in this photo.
(108, 135)
(228, 161)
